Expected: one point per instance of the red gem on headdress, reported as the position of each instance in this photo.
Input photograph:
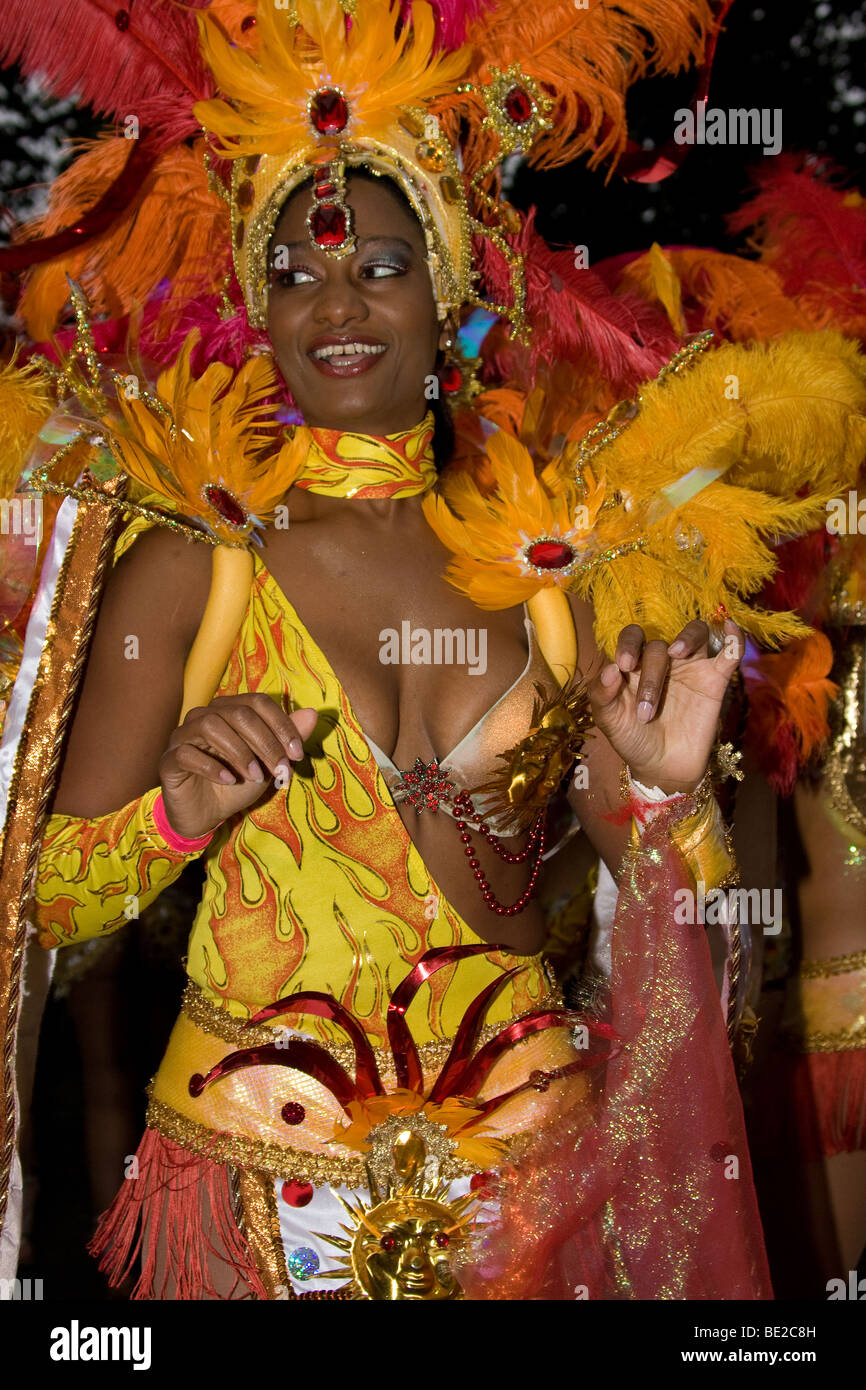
(451, 378)
(293, 1113)
(518, 105)
(329, 111)
(121, 20)
(328, 225)
(443, 1240)
(227, 506)
(550, 555)
(297, 1194)
(325, 190)
(388, 1242)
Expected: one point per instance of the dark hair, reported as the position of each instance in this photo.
(443, 431)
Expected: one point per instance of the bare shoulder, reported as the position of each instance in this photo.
(165, 566)
(132, 690)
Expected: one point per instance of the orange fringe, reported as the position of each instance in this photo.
(829, 1090)
(173, 1191)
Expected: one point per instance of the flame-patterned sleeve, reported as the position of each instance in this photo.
(96, 875)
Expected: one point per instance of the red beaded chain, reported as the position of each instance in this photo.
(425, 786)
(462, 804)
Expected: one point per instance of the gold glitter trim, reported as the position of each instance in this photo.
(221, 1024)
(842, 761)
(261, 1227)
(280, 1161)
(833, 965)
(843, 1041)
(67, 639)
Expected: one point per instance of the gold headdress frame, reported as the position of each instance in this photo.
(261, 185)
(378, 99)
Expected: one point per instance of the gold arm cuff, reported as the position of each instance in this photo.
(702, 840)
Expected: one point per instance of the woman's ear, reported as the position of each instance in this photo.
(447, 335)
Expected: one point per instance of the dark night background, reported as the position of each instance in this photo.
(805, 57)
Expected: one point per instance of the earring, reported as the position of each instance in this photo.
(458, 375)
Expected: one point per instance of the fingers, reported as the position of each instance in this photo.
(248, 733)
(692, 641)
(733, 649)
(190, 759)
(655, 665)
(629, 647)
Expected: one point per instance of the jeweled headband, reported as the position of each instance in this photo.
(327, 91)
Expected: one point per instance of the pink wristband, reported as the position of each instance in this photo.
(176, 842)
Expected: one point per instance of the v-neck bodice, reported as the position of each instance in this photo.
(474, 758)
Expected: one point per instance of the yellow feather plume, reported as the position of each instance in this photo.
(745, 447)
(214, 432)
(26, 401)
(376, 71)
(491, 535)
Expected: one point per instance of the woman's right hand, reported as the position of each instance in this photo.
(217, 761)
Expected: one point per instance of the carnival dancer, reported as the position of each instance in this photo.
(373, 1090)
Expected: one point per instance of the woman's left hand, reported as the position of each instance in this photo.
(659, 704)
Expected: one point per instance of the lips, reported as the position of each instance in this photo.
(345, 355)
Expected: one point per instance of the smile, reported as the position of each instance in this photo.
(347, 359)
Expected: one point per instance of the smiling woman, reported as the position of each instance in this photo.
(374, 1089)
(379, 299)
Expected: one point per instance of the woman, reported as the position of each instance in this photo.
(659, 710)
(467, 1115)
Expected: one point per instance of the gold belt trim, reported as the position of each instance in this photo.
(832, 1042)
(219, 1023)
(833, 965)
(279, 1161)
(238, 1119)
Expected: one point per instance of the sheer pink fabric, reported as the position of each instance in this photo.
(648, 1192)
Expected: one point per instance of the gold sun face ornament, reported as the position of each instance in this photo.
(401, 1243)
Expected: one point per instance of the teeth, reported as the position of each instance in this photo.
(349, 350)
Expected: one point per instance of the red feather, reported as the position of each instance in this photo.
(575, 316)
(228, 340)
(152, 69)
(813, 234)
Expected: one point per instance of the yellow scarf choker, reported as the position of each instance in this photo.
(341, 463)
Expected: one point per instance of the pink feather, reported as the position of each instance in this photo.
(152, 69)
(453, 18)
(228, 340)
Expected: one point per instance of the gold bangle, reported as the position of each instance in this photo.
(702, 839)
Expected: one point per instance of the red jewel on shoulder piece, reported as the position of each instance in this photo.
(225, 505)
(550, 554)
